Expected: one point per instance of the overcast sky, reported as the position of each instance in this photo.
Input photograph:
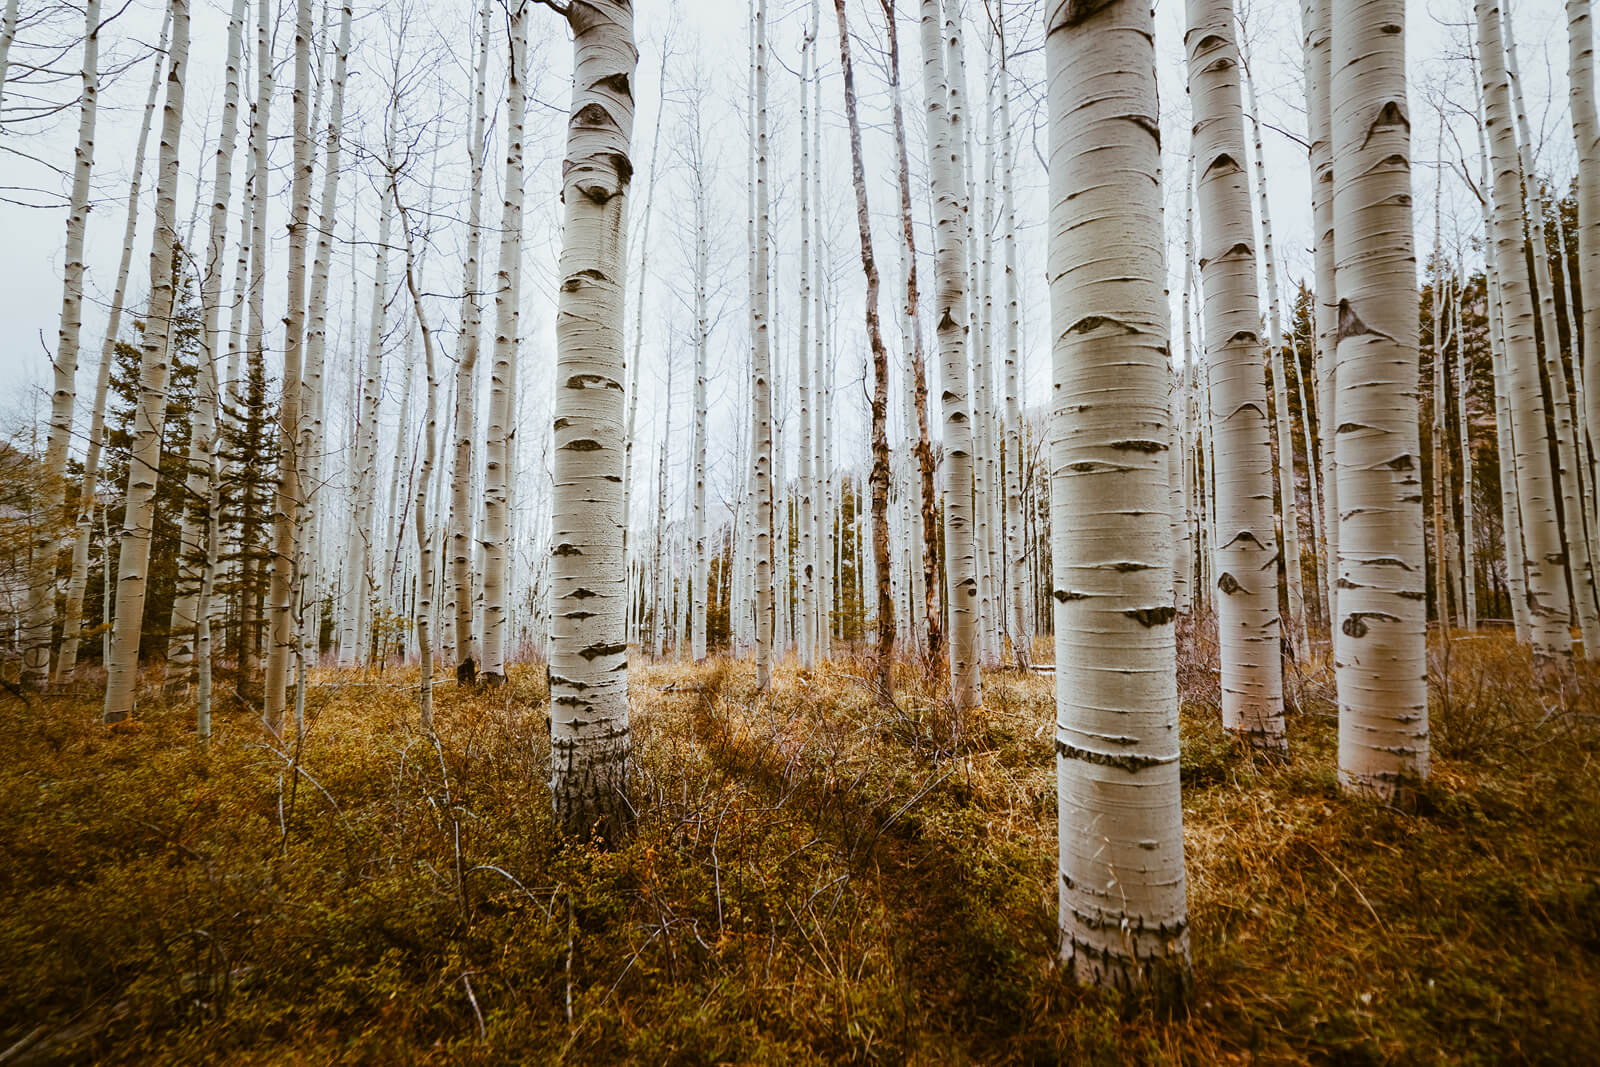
(708, 41)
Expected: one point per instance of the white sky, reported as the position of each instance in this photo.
(709, 49)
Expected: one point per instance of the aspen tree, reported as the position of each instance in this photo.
(1123, 917)
(78, 574)
(1440, 475)
(144, 465)
(952, 325)
(761, 375)
(8, 33)
(1580, 570)
(1510, 504)
(195, 534)
(589, 735)
(927, 525)
(1021, 635)
(1586, 134)
(359, 566)
(507, 298)
(1248, 626)
(808, 563)
(1468, 548)
(1325, 317)
(699, 180)
(467, 346)
(287, 495)
(1548, 606)
(39, 610)
(880, 382)
(1288, 500)
(1380, 644)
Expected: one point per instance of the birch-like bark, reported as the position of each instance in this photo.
(144, 464)
(1124, 916)
(589, 734)
(699, 182)
(761, 374)
(1380, 646)
(1325, 317)
(927, 525)
(507, 297)
(1021, 635)
(8, 33)
(1468, 537)
(880, 382)
(359, 587)
(1248, 625)
(808, 565)
(287, 495)
(194, 557)
(466, 406)
(1288, 499)
(39, 611)
(78, 574)
(1580, 569)
(1586, 134)
(950, 314)
(1549, 611)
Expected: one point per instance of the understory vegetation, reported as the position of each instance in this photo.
(813, 878)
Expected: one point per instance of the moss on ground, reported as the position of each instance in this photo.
(814, 879)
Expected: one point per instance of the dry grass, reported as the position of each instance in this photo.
(814, 879)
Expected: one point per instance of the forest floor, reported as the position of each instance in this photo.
(813, 879)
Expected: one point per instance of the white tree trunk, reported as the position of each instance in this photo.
(1325, 317)
(1380, 646)
(1248, 625)
(39, 612)
(1548, 608)
(589, 733)
(122, 667)
(950, 314)
(507, 297)
(1124, 916)
(1586, 134)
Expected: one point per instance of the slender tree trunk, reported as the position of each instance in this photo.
(761, 375)
(78, 575)
(950, 267)
(1580, 570)
(1247, 612)
(144, 464)
(589, 736)
(1468, 550)
(927, 498)
(1549, 610)
(40, 609)
(508, 290)
(1325, 317)
(808, 563)
(195, 537)
(8, 33)
(1124, 916)
(1288, 499)
(1586, 134)
(1021, 635)
(880, 381)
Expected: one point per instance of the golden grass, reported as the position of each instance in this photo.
(814, 879)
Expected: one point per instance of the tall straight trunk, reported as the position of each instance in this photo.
(1549, 610)
(1468, 548)
(950, 268)
(1580, 569)
(133, 561)
(1248, 626)
(316, 345)
(880, 381)
(467, 343)
(8, 33)
(927, 500)
(1016, 556)
(1586, 134)
(422, 610)
(194, 557)
(78, 575)
(1194, 449)
(1325, 315)
(589, 737)
(1318, 540)
(1380, 646)
(287, 494)
(1124, 915)
(507, 298)
(1288, 499)
(761, 375)
(40, 609)
(808, 565)
(1440, 475)
(1510, 502)
(699, 184)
